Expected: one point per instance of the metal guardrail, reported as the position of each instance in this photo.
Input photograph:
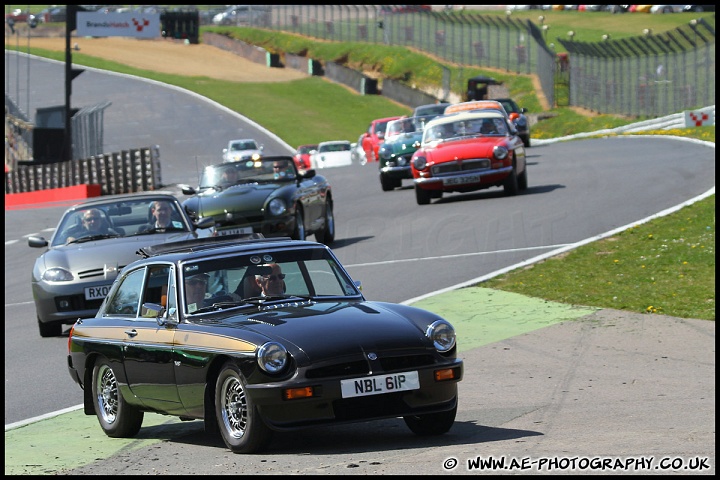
(129, 171)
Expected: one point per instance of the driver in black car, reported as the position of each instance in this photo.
(195, 290)
(229, 176)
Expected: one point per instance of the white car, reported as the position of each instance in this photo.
(240, 15)
(335, 153)
(666, 8)
(357, 154)
(242, 150)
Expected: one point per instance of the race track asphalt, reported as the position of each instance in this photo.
(528, 361)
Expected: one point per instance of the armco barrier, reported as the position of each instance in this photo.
(128, 171)
(76, 192)
(251, 52)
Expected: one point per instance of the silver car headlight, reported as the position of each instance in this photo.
(442, 335)
(272, 357)
(500, 152)
(57, 275)
(277, 206)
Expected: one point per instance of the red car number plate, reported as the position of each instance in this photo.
(461, 180)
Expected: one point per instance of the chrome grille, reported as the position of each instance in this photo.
(459, 166)
(96, 272)
(362, 367)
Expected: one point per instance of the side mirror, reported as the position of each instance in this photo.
(37, 242)
(187, 189)
(205, 222)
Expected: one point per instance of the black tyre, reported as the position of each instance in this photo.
(299, 232)
(386, 183)
(422, 196)
(49, 329)
(241, 427)
(431, 423)
(523, 180)
(117, 418)
(526, 141)
(511, 183)
(327, 234)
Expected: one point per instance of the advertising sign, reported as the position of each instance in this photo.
(130, 24)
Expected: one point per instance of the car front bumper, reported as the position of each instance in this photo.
(328, 406)
(396, 172)
(464, 181)
(65, 302)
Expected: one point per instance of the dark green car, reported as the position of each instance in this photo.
(402, 138)
(266, 195)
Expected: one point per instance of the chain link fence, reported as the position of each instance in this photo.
(651, 75)
(647, 76)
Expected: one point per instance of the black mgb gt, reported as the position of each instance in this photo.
(255, 335)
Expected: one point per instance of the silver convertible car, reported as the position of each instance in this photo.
(257, 335)
(92, 243)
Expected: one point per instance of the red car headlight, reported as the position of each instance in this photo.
(419, 162)
(500, 152)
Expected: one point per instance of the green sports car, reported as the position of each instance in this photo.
(266, 195)
(402, 138)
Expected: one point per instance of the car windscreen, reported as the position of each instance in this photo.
(250, 171)
(304, 272)
(120, 218)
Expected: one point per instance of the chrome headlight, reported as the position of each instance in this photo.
(442, 335)
(57, 275)
(277, 206)
(500, 152)
(385, 153)
(419, 162)
(272, 357)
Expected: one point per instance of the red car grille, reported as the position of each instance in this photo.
(461, 166)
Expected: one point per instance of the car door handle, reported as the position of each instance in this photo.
(131, 333)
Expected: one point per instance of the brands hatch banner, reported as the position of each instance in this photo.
(130, 24)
